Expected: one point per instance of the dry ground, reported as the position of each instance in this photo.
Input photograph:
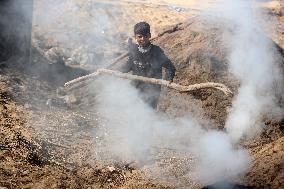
(45, 143)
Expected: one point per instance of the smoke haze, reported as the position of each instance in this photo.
(132, 129)
(218, 160)
(253, 61)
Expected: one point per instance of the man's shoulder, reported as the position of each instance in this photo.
(157, 49)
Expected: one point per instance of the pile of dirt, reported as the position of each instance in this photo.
(201, 58)
(45, 143)
(50, 145)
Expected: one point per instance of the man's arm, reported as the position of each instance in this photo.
(127, 66)
(167, 63)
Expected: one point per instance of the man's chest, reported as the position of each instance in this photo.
(146, 64)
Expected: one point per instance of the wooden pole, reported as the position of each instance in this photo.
(162, 82)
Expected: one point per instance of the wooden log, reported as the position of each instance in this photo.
(81, 79)
(162, 82)
(115, 61)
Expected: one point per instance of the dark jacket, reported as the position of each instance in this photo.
(149, 64)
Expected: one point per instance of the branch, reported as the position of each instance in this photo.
(115, 61)
(162, 82)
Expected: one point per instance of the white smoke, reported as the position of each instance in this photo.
(133, 129)
(253, 61)
(218, 160)
(128, 120)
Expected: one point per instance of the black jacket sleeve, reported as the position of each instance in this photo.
(127, 67)
(167, 63)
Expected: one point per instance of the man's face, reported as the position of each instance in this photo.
(143, 40)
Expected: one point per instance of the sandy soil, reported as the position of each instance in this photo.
(47, 143)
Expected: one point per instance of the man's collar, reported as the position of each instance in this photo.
(145, 49)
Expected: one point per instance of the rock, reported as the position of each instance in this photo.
(70, 99)
(54, 54)
(111, 168)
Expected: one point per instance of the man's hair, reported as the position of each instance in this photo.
(142, 28)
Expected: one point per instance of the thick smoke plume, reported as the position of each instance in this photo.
(253, 61)
(133, 129)
(219, 161)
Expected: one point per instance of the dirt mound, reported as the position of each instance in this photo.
(267, 169)
(49, 145)
(199, 54)
(201, 58)
(45, 144)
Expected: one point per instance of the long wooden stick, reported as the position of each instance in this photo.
(115, 61)
(162, 82)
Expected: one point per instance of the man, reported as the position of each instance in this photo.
(147, 60)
